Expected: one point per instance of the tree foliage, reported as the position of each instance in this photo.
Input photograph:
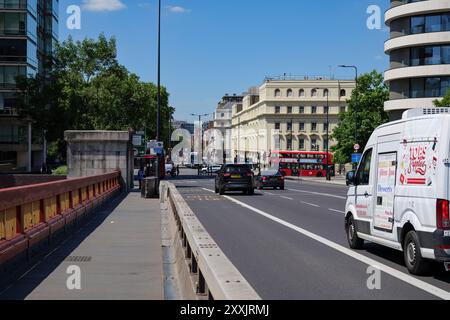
(368, 101)
(88, 89)
(444, 102)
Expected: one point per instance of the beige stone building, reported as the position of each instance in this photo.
(288, 114)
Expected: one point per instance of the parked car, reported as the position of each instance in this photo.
(235, 177)
(270, 179)
(399, 195)
(215, 168)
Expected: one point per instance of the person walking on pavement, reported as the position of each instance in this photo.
(141, 176)
(178, 170)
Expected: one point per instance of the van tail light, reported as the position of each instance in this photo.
(227, 175)
(264, 178)
(442, 211)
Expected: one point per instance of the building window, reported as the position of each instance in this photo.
(302, 144)
(326, 93)
(325, 110)
(314, 110)
(342, 109)
(313, 93)
(343, 93)
(277, 110)
(302, 110)
(314, 126)
(301, 93)
(314, 145)
(429, 87)
(277, 126)
(302, 126)
(290, 93)
(325, 127)
(289, 143)
(289, 110)
(289, 126)
(277, 93)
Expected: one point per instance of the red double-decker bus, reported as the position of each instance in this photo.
(302, 163)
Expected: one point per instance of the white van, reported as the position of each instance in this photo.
(399, 196)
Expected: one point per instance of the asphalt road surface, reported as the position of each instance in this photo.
(292, 245)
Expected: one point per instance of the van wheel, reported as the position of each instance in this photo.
(414, 261)
(352, 235)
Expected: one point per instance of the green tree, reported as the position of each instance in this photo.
(88, 89)
(444, 102)
(368, 100)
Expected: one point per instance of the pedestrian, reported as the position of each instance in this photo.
(178, 170)
(141, 176)
(44, 169)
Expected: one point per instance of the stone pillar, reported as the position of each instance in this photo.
(92, 153)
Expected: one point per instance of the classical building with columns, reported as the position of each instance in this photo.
(289, 114)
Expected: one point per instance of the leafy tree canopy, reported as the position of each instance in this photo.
(368, 101)
(88, 89)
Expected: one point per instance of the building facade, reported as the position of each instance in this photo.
(289, 115)
(223, 114)
(28, 34)
(419, 50)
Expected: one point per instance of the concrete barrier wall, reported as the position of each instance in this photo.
(91, 153)
(196, 266)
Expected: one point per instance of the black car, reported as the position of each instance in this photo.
(270, 179)
(235, 177)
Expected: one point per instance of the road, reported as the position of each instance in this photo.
(291, 244)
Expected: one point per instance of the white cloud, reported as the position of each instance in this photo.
(103, 5)
(178, 9)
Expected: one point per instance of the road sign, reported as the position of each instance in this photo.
(356, 157)
(155, 144)
(357, 147)
(137, 140)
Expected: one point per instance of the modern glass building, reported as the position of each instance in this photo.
(28, 33)
(419, 50)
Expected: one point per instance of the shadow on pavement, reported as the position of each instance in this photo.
(23, 282)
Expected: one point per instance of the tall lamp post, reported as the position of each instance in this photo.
(356, 105)
(158, 107)
(328, 138)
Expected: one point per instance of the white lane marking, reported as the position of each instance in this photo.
(287, 198)
(269, 193)
(318, 194)
(422, 285)
(311, 204)
(338, 211)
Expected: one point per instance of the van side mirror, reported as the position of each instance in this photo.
(351, 178)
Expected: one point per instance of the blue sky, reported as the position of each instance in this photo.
(213, 47)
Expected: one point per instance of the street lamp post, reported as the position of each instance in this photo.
(328, 138)
(356, 104)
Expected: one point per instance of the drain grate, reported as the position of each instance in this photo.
(79, 259)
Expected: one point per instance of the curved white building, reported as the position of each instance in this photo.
(419, 50)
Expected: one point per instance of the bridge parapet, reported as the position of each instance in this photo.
(33, 216)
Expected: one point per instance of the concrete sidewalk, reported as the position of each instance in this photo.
(340, 180)
(118, 252)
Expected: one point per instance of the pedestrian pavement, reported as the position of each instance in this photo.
(117, 255)
(338, 180)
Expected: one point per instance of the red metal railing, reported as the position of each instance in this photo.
(30, 214)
